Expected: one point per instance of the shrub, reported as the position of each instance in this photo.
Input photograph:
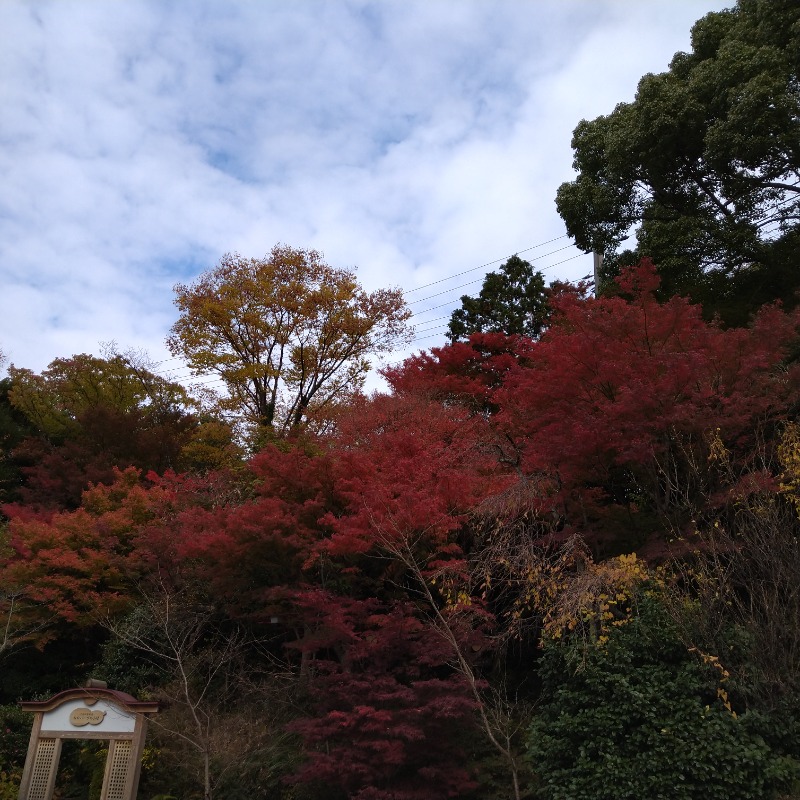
(642, 717)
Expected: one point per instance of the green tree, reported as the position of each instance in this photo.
(288, 334)
(640, 716)
(70, 389)
(15, 725)
(14, 427)
(511, 301)
(706, 162)
(89, 414)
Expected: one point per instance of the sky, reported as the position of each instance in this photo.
(408, 140)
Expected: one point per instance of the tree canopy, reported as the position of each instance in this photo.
(603, 519)
(84, 415)
(704, 164)
(511, 301)
(71, 388)
(289, 335)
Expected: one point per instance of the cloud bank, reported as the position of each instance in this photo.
(140, 141)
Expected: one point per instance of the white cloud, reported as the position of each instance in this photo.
(141, 140)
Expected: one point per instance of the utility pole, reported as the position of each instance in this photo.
(598, 262)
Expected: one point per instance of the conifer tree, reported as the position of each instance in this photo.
(511, 301)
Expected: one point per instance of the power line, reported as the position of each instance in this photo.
(435, 319)
(774, 217)
(218, 379)
(165, 360)
(427, 330)
(435, 327)
(488, 264)
(469, 283)
(443, 305)
(432, 336)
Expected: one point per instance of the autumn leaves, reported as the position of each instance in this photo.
(288, 334)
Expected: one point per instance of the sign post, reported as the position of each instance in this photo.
(89, 713)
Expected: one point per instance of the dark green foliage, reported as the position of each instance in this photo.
(65, 660)
(14, 427)
(15, 731)
(127, 668)
(80, 769)
(511, 301)
(640, 718)
(707, 160)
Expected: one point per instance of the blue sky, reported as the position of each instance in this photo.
(140, 141)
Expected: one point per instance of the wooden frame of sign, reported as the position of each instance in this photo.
(91, 713)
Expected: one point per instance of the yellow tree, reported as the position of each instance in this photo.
(288, 334)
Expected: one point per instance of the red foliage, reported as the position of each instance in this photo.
(400, 467)
(409, 468)
(55, 477)
(615, 387)
(248, 549)
(107, 439)
(80, 565)
(463, 373)
(614, 384)
(389, 723)
(76, 565)
(612, 378)
(637, 385)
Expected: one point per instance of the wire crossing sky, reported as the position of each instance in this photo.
(420, 142)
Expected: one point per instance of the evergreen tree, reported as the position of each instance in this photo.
(511, 301)
(704, 165)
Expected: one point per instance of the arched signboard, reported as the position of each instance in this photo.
(87, 714)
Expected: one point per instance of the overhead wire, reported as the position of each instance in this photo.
(217, 379)
(488, 264)
(469, 283)
(544, 269)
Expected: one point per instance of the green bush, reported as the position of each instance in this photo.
(641, 718)
(15, 734)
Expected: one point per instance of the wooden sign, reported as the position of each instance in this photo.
(93, 712)
(85, 716)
